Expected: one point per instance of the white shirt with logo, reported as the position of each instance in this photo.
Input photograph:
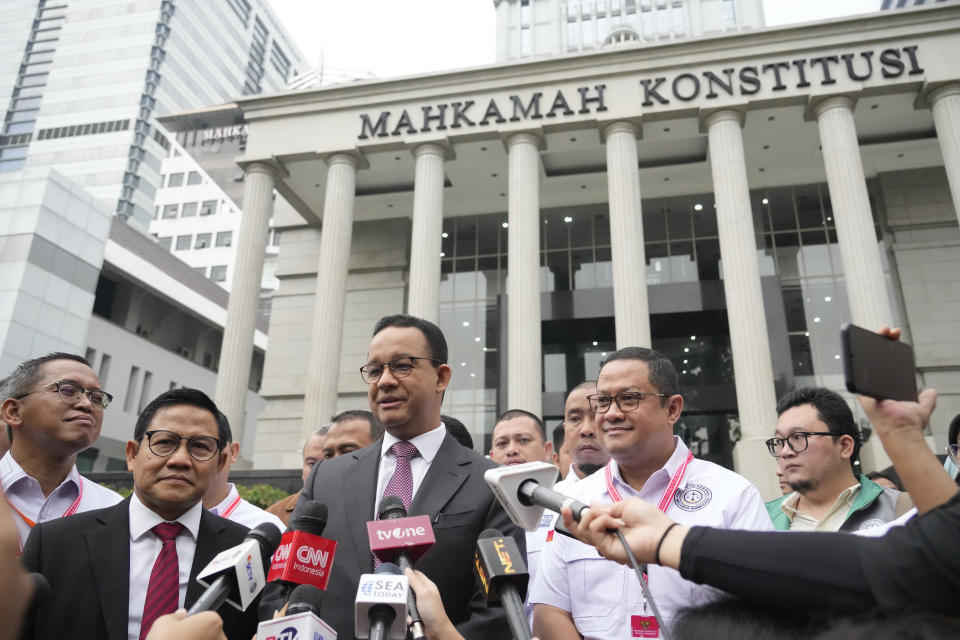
(601, 595)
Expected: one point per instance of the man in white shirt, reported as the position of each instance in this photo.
(581, 435)
(113, 571)
(577, 592)
(53, 409)
(224, 500)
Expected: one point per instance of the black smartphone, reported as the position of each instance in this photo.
(876, 366)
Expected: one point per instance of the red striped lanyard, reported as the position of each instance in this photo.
(233, 507)
(675, 481)
(72, 509)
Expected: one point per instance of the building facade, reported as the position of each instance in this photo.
(535, 28)
(729, 200)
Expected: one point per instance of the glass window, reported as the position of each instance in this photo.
(164, 242)
(169, 211)
(175, 180)
(218, 273)
(189, 210)
(224, 238)
(183, 242)
(209, 207)
(194, 178)
(203, 241)
(9, 153)
(19, 127)
(14, 164)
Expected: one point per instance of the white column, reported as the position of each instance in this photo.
(236, 349)
(423, 299)
(320, 394)
(752, 368)
(862, 270)
(945, 104)
(524, 352)
(630, 302)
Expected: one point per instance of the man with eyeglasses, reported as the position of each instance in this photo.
(816, 443)
(419, 462)
(53, 409)
(579, 594)
(114, 571)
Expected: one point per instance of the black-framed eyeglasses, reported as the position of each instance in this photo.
(798, 441)
(163, 443)
(953, 450)
(71, 392)
(627, 401)
(400, 367)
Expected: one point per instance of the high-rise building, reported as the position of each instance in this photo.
(536, 28)
(81, 83)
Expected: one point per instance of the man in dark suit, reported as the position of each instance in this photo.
(113, 571)
(406, 374)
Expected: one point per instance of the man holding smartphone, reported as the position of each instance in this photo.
(816, 443)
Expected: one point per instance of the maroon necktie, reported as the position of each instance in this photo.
(401, 482)
(163, 591)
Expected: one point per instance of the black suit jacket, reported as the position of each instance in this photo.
(460, 505)
(86, 559)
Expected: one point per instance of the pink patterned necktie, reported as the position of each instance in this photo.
(401, 482)
(163, 590)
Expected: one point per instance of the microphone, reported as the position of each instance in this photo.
(524, 491)
(303, 557)
(302, 619)
(237, 574)
(503, 577)
(381, 604)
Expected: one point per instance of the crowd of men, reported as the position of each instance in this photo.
(124, 567)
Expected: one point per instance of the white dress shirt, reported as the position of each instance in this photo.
(24, 494)
(145, 547)
(240, 511)
(601, 595)
(427, 444)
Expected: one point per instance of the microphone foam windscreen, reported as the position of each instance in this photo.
(391, 506)
(313, 518)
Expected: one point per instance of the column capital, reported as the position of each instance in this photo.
(355, 159)
(708, 118)
(818, 105)
(633, 126)
(441, 148)
(523, 137)
(270, 165)
(931, 94)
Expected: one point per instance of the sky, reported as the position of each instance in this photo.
(390, 38)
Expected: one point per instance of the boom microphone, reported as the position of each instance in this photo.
(381, 604)
(524, 491)
(503, 577)
(237, 574)
(303, 557)
(302, 619)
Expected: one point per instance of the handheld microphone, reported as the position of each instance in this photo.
(237, 575)
(503, 577)
(524, 491)
(303, 557)
(302, 619)
(403, 540)
(381, 604)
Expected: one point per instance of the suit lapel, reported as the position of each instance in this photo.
(110, 539)
(449, 470)
(357, 490)
(210, 542)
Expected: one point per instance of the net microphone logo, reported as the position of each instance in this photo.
(303, 558)
(413, 535)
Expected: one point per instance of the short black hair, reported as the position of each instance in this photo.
(586, 384)
(431, 333)
(183, 396)
(559, 435)
(660, 371)
(27, 374)
(831, 409)
(458, 430)
(890, 474)
(510, 414)
(376, 427)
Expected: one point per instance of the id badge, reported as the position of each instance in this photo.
(644, 627)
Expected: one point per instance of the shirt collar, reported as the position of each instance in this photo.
(661, 475)
(232, 495)
(12, 473)
(427, 444)
(789, 505)
(142, 519)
